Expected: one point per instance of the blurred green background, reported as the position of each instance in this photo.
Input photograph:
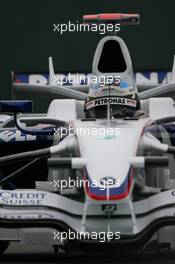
(28, 36)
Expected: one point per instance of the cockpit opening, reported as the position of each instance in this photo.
(111, 59)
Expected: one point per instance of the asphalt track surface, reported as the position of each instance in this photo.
(17, 253)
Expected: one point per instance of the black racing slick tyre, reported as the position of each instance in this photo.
(3, 246)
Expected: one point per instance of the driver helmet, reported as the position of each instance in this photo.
(124, 102)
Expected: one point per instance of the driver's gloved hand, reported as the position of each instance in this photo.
(125, 113)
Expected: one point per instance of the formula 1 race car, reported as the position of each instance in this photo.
(97, 170)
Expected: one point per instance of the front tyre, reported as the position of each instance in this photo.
(3, 246)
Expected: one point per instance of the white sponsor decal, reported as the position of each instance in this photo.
(111, 100)
(21, 198)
